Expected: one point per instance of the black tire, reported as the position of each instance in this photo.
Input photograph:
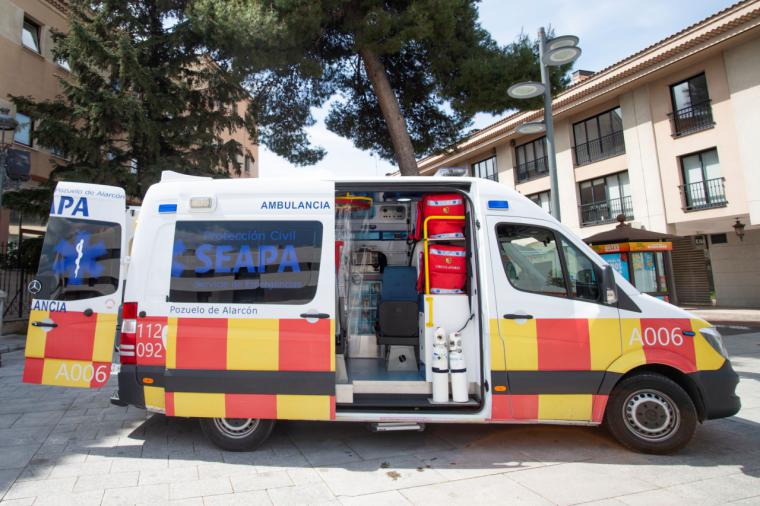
(237, 434)
(651, 413)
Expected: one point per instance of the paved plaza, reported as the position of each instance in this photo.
(65, 446)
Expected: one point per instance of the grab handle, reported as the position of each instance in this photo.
(45, 324)
(319, 316)
(510, 316)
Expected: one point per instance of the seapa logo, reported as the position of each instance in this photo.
(70, 206)
(78, 258)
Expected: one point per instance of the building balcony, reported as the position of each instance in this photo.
(704, 194)
(532, 170)
(598, 213)
(692, 119)
(599, 149)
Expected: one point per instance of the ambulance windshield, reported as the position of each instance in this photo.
(79, 260)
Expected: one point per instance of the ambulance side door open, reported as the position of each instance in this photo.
(78, 288)
(558, 334)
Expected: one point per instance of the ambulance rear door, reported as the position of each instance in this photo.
(78, 288)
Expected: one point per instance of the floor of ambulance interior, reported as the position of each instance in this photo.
(374, 369)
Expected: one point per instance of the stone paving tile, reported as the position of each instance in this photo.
(148, 494)
(18, 502)
(91, 498)
(41, 472)
(316, 493)
(494, 489)
(325, 452)
(16, 456)
(366, 477)
(154, 476)
(304, 475)
(57, 486)
(260, 481)
(6, 421)
(571, 482)
(7, 477)
(106, 481)
(389, 498)
(81, 469)
(200, 488)
(256, 498)
(705, 492)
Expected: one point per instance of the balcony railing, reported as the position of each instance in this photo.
(606, 211)
(692, 119)
(531, 170)
(599, 149)
(704, 194)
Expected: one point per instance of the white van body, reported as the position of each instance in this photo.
(237, 298)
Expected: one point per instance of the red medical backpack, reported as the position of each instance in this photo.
(440, 204)
(448, 269)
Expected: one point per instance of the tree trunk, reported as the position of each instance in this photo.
(402, 143)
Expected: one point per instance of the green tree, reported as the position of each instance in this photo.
(404, 78)
(142, 96)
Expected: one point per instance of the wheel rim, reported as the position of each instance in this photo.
(651, 415)
(236, 428)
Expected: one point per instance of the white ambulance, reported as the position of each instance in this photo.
(391, 301)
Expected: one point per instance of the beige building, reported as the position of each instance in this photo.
(667, 137)
(27, 67)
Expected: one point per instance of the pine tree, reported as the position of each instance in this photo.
(404, 78)
(142, 96)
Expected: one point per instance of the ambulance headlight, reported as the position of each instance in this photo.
(712, 335)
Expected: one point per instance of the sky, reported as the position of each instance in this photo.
(609, 30)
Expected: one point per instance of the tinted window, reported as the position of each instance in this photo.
(531, 259)
(246, 262)
(80, 259)
(581, 273)
(30, 35)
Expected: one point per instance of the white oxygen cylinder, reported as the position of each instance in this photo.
(440, 367)
(458, 369)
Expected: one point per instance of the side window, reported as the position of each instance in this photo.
(246, 262)
(582, 273)
(80, 259)
(531, 259)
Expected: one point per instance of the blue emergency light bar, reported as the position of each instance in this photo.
(498, 204)
(167, 208)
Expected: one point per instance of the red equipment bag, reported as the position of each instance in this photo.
(440, 204)
(448, 269)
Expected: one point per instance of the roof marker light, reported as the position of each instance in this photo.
(498, 204)
(167, 208)
(201, 202)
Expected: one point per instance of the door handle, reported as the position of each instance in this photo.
(45, 324)
(319, 316)
(510, 316)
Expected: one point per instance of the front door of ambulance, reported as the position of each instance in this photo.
(78, 287)
(251, 306)
(559, 336)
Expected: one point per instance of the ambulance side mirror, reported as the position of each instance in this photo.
(609, 287)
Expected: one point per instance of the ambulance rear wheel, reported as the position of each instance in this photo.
(237, 434)
(651, 413)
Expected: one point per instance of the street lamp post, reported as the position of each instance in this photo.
(552, 52)
(8, 126)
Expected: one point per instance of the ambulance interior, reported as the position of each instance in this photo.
(390, 306)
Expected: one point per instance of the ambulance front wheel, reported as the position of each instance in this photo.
(237, 434)
(651, 413)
